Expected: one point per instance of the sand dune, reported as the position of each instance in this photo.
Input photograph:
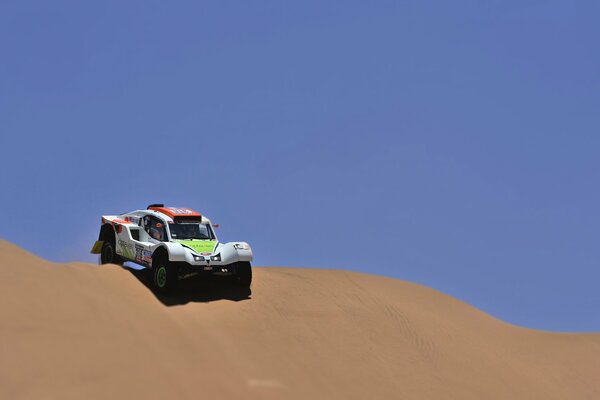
(80, 331)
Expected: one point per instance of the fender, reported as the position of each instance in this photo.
(230, 255)
(175, 250)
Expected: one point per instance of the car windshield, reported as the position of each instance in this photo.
(190, 230)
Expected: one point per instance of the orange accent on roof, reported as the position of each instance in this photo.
(176, 211)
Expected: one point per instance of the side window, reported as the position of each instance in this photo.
(147, 224)
(155, 228)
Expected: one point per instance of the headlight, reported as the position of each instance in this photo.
(197, 258)
(241, 246)
(216, 258)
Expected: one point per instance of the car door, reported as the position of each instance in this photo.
(154, 232)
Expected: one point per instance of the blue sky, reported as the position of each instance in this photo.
(453, 144)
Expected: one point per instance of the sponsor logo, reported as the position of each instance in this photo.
(125, 244)
(139, 253)
(147, 256)
(180, 210)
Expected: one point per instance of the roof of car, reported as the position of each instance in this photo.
(173, 212)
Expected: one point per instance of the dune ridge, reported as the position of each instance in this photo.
(85, 331)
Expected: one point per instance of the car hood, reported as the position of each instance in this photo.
(199, 246)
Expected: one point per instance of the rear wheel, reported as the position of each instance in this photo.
(108, 254)
(166, 274)
(243, 274)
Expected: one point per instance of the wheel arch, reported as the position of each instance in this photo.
(160, 251)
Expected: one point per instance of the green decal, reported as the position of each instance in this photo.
(126, 249)
(200, 246)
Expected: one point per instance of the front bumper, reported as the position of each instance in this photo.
(225, 257)
(208, 268)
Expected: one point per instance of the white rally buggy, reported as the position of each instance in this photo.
(176, 243)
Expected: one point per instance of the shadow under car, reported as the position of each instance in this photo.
(201, 289)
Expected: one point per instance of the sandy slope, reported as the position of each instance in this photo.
(81, 331)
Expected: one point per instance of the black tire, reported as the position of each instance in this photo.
(108, 255)
(243, 274)
(166, 274)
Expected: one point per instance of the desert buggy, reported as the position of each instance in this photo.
(176, 243)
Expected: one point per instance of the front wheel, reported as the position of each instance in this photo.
(243, 274)
(166, 274)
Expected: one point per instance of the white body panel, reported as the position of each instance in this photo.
(140, 250)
